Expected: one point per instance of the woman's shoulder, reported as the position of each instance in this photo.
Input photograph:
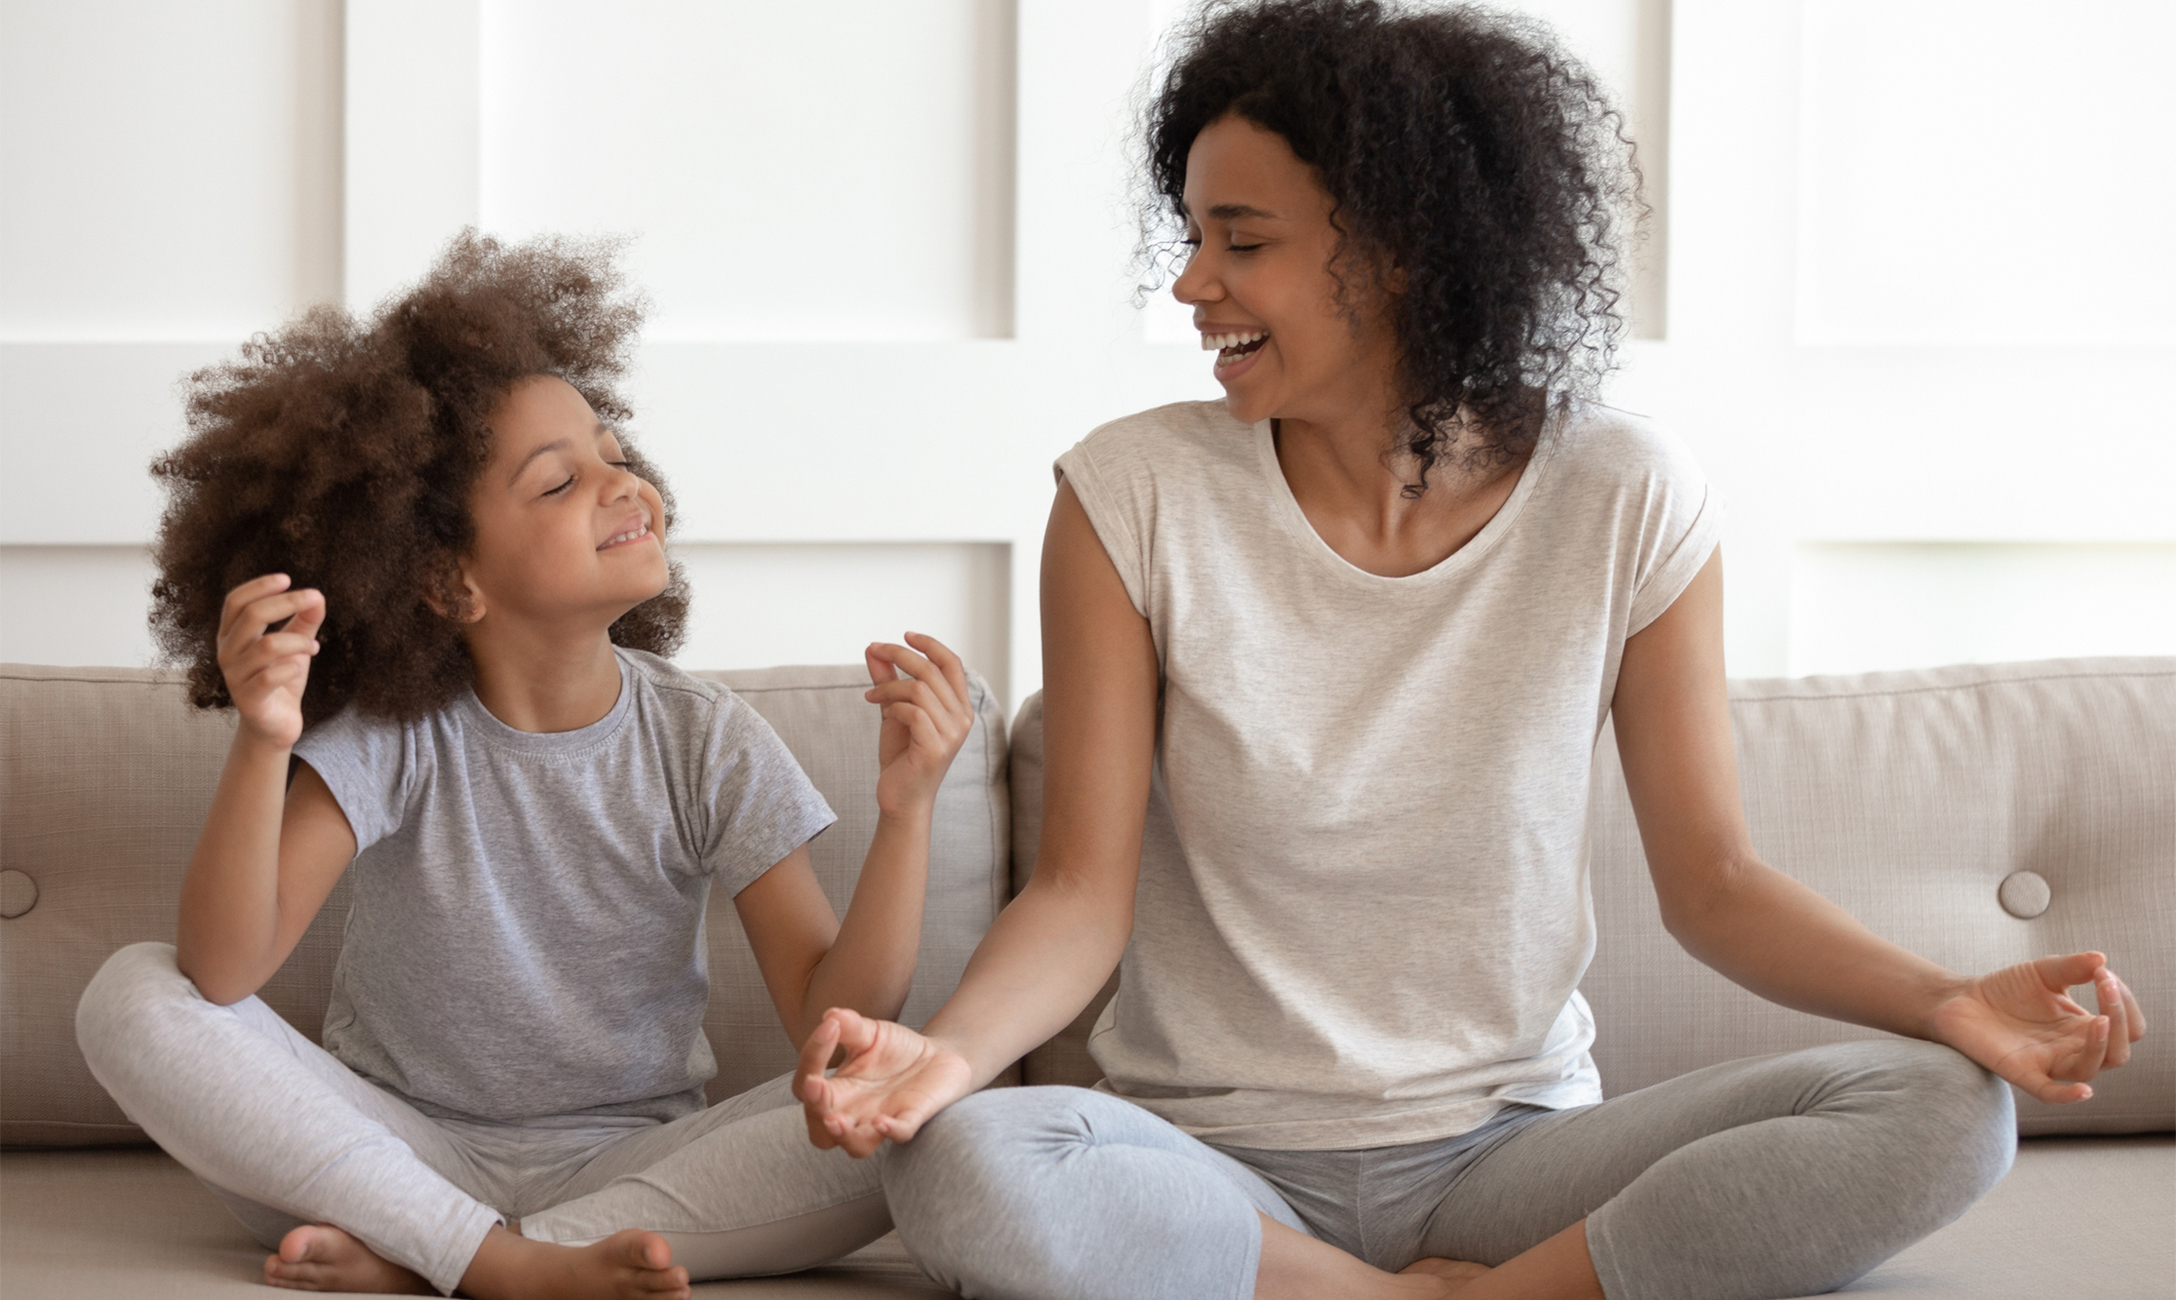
(1607, 447)
(1179, 434)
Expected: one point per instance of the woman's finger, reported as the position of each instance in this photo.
(2086, 1061)
(2135, 1017)
(2044, 1089)
(2060, 974)
(2110, 998)
(816, 1058)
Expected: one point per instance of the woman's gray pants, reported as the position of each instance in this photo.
(1777, 1176)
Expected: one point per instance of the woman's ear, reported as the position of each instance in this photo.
(453, 595)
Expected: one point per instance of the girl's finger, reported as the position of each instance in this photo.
(240, 597)
(955, 670)
(252, 619)
(920, 729)
(880, 668)
(912, 662)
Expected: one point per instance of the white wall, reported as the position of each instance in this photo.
(1905, 297)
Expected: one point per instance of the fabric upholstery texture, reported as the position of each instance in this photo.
(1908, 798)
(108, 774)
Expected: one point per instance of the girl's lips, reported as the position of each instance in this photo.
(629, 538)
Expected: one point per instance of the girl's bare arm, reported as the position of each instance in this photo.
(269, 852)
(811, 961)
(1052, 948)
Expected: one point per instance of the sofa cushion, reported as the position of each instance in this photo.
(107, 774)
(1909, 798)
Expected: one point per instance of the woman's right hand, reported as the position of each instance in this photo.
(891, 1081)
(266, 671)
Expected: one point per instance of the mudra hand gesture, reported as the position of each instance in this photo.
(891, 1081)
(2021, 1023)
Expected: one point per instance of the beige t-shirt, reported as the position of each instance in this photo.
(1363, 909)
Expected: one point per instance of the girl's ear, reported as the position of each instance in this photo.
(452, 595)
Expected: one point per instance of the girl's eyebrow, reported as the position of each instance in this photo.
(556, 444)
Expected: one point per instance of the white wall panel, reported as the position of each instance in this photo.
(75, 605)
(167, 170)
(784, 185)
(411, 136)
(1865, 606)
(758, 604)
(1987, 172)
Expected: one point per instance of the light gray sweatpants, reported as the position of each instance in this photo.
(285, 1134)
(1778, 1176)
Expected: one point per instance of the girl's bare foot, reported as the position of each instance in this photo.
(320, 1257)
(629, 1265)
(1456, 1273)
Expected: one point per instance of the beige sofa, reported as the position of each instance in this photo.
(1981, 815)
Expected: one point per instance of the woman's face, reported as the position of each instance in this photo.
(1262, 287)
(563, 530)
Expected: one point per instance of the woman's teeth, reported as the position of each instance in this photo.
(1232, 346)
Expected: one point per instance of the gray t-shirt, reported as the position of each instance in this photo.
(526, 937)
(1363, 909)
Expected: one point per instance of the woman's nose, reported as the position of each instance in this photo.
(1195, 282)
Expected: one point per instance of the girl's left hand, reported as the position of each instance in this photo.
(2021, 1023)
(922, 687)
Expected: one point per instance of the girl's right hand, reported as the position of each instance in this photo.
(266, 671)
(892, 1080)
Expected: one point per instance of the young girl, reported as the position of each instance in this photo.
(425, 568)
(1326, 664)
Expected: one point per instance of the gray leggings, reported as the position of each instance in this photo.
(285, 1134)
(1778, 1176)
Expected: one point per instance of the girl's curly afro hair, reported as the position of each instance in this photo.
(1462, 147)
(341, 452)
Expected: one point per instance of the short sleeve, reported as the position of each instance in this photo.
(1679, 526)
(762, 806)
(369, 765)
(1118, 503)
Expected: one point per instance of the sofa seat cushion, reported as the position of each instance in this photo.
(2077, 1216)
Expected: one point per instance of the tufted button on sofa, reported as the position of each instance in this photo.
(1980, 815)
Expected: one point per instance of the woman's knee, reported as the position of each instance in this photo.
(982, 1138)
(1960, 1118)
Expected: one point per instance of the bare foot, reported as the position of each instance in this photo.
(1456, 1272)
(630, 1265)
(320, 1257)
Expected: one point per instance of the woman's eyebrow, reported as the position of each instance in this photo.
(1239, 212)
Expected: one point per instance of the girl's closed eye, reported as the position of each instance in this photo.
(552, 492)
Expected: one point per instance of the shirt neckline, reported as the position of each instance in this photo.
(1465, 557)
(487, 725)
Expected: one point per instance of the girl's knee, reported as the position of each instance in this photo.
(132, 982)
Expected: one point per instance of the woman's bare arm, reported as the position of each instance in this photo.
(1775, 936)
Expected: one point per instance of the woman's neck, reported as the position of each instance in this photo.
(1352, 480)
(534, 681)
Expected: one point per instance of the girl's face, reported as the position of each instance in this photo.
(1263, 289)
(563, 531)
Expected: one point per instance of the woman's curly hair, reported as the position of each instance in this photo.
(341, 452)
(1463, 148)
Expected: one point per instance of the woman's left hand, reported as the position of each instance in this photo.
(922, 687)
(2021, 1023)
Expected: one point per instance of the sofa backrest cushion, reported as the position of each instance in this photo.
(106, 775)
(1909, 799)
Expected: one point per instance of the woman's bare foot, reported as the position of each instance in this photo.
(320, 1257)
(629, 1265)
(1456, 1272)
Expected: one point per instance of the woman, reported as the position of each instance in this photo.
(1325, 665)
